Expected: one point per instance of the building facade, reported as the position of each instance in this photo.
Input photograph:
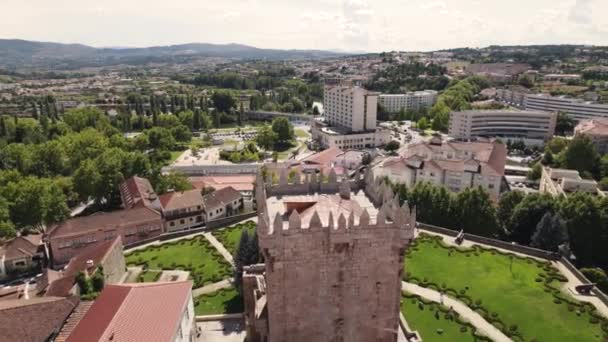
(575, 108)
(597, 131)
(350, 107)
(182, 210)
(455, 165)
(394, 103)
(70, 237)
(21, 254)
(532, 127)
(318, 282)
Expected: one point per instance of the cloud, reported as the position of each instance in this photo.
(231, 15)
(580, 12)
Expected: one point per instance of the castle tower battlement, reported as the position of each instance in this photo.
(333, 254)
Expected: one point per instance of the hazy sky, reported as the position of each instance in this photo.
(356, 25)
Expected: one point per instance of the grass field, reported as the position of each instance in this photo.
(230, 236)
(196, 255)
(431, 322)
(300, 133)
(511, 289)
(223, 301)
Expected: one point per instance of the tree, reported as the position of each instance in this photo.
(172, 181)
(581, 155)
(197, 120)
(536, 172)
(550, 233)
(241, 113)
(98, 280)
(506, 205)
(586, 220)
(422, 124)
(181, 133)
(548, 158)
(597, 276)
(283, 129)
(564, 124)
(83, 283)
(80, 118)
(247, 253)
(526, 216)
(266, 137)
(186, 118)
(223, 101)
(392, 146)
(475, 212)
(556, 145)
(526, 81)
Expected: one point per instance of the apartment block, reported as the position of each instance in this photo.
(563, 182)
(597, 131)
(532, 127)
(394, 103)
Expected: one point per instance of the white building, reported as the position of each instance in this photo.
(531, 127)
(393, 103)
(562, 182)
(350, 107)
(575, 108)
(350, 115)
(455, 165)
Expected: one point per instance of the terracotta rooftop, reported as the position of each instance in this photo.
(21, 246)
(138, 192)
(34, 320)
(181, 199)
(238, 182)
(135, 312)
(73, 320)
(103, 221)
(221, 197)
(95, 253)
(593, 127)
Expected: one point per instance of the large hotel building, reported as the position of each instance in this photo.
(575, 108)
(349, 120)
(532, 127)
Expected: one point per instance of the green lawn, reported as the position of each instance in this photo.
(149, 276)
(223, 301)
(300, 133)
(175, 155)
(433, 322)
(196, 255)
(230, 236)
(518, 295)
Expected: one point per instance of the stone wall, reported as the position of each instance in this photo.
(336, 283)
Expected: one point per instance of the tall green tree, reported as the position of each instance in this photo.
(506, 206)
(526, 216)
(283, 128)
(550, 233)
(475, 212)
(582, 155)
(565, 124)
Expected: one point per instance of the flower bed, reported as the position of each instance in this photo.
(230, 236)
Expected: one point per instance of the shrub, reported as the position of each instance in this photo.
(594, 320)
(557, 301)
(513, 327)
(463, 329)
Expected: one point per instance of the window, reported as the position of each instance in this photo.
(172, 224)
(181, 221)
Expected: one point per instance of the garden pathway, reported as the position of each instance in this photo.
(483, 326)
(568, 287)
(220, 248)
(132, 274)
(213, 287)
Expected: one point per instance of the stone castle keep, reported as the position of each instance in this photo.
(333, 256)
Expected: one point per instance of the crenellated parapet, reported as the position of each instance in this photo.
(391, 218)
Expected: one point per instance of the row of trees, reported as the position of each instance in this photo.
(539, 220)
(45, 169)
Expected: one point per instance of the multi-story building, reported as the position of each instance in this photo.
(139, 312)
(455, 165)
(597, 131)
(222, 203)
(563, 182)
(349, 120)
(350, 107)
(317, 282)
(70, 237)
(531, 127)
(183, 210)
(394, 103)
(575, 108)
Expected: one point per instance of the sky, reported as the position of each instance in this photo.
(345, 25)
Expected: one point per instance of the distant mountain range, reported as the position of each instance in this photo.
(18, 54)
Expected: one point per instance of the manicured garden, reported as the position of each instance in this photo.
(230, 236)
(224, 301)
(435, 323)
(520, 296)
(196, 255)
(149, 276)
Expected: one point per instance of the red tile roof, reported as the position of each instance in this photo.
(104, 221)
(135, 312)
(95, 253)
(239, 182)
(181, 199)
(220, 197)
(34, 320)
(138, 192)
